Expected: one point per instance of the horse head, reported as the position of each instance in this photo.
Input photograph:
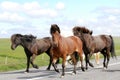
(18, 39)
(15, 40)
(55, 32)
(54, 28)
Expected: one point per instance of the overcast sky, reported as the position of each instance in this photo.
(36, 16)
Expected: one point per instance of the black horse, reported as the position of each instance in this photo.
(32, 47)
(94, 44)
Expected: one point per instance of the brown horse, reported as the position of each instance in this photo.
(94, 44)
(65, 46)
(32, 47)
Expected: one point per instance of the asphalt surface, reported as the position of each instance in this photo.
(96, 73)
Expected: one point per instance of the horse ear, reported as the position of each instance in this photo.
(33, 37)
(18, 35)
(28, 39)
(91, 32)
(58, 28)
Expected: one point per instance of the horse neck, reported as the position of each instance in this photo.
(28, 45)
(58, 36)
(58, 40)
(48, 40)
(87, 41)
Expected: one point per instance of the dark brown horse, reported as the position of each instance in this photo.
(65, 46)
(32, 47)
(94, 44)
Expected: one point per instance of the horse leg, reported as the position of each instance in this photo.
(28, 64)
(104, 62)
(50, 61)
(97, 58)
(48, 68)
(74, 62)
(32, 61)
(81, 59)
(90, 64)
(86, 60)
(28, 55)
(108, 58)
(54, 66)
(63, 66)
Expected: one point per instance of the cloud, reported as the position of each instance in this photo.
(34, 9)
(29, 17)
(36, 18)
(3, 32)
(31, 6)
(11, 17)
(31, 9)
(60, 5)
(41, 13)
(108, 10)
(112, 17)
(10, 6)
(107, 22)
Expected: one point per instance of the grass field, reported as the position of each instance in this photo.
(15, 60)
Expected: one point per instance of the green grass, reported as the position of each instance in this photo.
(15, 60)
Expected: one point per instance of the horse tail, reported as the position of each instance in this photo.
(112, 49)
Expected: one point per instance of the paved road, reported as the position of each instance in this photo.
(97, 73)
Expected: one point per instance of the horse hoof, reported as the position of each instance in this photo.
(61, 76)
(35, 66)
(91, 65)
(57, 71)
(104, 68)
(98, 63)
(83, 69)
(86, 68)
(26, 72)
(48, 69)
(73, 73)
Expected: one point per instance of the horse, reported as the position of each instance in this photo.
(94, 44)
(65, 46)
(97, 58)
(32, 47)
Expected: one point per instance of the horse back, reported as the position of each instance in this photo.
(107, 40)
(41, 45)
(101, 42)
(75, 42)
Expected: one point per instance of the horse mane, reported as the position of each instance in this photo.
(78, 29)
(54, 28)
(29, 37)
(17, 35)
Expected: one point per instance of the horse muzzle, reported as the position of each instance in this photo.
(13, 47)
